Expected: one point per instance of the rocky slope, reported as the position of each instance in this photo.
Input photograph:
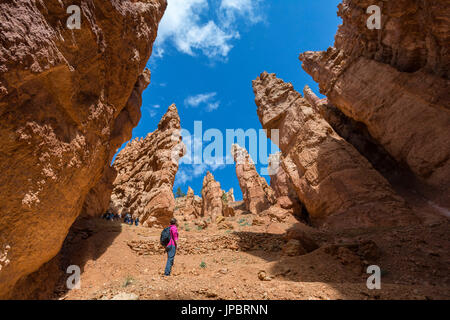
(146, 170)
(395, 81)
(251, 262)
(337, 185)
(65, 106)
(256, 193)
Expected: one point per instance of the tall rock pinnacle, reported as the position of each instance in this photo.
(257, 194)
(336, 184)
(146, 173)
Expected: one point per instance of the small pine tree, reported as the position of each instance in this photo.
(224, 197)
(179, 193)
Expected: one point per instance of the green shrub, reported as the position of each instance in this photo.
(203, 265)
(224, 197)
(179, 193)
(128, 280)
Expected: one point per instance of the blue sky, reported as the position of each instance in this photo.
(208, 52)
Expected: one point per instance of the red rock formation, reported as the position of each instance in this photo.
(146, 170)
(211, 197)
(97, 200)
(282, 186)
(189, 207)
(357, 134)
(394, 81)
(256, 193)
(229, 196)
(63, 111)
(335, 183)
(228, 209)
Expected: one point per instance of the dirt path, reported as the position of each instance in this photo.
(226, 264)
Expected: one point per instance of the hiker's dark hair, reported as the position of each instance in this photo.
(173, 221)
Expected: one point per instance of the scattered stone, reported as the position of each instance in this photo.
(263, 276)
(125, 296)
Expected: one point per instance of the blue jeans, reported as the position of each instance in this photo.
(171, 250)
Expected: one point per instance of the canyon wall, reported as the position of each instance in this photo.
(67, 101)
(97, 200)
(395, 81)
(284, 191)
(357, 134)
(338, 186)
(256, 193)
(146, 170)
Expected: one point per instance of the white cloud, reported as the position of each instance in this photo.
(232, 10)
(185, 27)
(152, 111)
(213, 106)
(188, 173)
(206, 99)
(182, 177)
(195, 101)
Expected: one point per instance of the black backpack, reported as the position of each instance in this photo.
(165, 237)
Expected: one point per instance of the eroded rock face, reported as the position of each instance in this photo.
(336, 184)
(284, 191)
(357, 134)
(146, 170)
(98, 198)
(256, 193)
(189, 207)
(64, 108)
(229, 196)
(212, 193)
(395, 82)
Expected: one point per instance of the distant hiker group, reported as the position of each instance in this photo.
(128, 219)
